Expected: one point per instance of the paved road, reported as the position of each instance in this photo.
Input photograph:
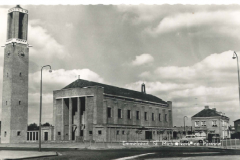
(146, 153)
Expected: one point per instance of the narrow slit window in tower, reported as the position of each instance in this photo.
(20, 28)
(19, 102)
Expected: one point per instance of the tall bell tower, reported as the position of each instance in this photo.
(15, 78)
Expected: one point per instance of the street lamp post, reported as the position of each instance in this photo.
(235, 56)
(40, 114)
(184, 123)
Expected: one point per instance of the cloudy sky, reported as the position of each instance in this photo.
(183, 53)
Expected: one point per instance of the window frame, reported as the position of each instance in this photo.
(196, 123)
(159, 117)
(203, 123)
(145, 116)
(120, 113)
(153, 117)
(109, 108)
(137, 115)
(166, 117)
(129, 116)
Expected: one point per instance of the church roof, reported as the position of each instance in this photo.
(208, 113)
(236, 120)
(112, 90)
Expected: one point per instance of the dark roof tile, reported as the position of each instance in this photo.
(208, 113)
(80, 83)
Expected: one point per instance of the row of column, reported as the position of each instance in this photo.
(70, 118)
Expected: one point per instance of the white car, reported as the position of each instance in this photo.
(192, 138)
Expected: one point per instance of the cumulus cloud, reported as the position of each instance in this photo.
(45, 47)
(142, 13)
(212, 81)
(214, 68)
(144, 58)
(204, 21)
(60, 78)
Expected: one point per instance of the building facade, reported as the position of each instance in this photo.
(15, 78)
(237, 126)
(86, 110)
(211, 124)
(46, 134)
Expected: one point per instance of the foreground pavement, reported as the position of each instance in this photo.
(156, 153)
(24, 154)
(117, 151)
(200, 158)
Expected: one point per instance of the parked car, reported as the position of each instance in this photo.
(193, 139)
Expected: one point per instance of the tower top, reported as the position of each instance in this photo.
(18, 8)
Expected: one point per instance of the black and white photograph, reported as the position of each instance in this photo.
(119, 81)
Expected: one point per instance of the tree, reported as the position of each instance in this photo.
(46, 124)
(32, 127)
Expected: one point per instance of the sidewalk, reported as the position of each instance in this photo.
(67, 146)
(24, 154)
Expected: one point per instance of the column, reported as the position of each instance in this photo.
(63, 124)
(70, 119)
(79, 116)
(15, 25)
(25, 26)
(8, 27)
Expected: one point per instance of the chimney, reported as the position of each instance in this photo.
(206, 107)
(143, 88)
(214, 109)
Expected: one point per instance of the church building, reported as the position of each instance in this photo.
(86, 110)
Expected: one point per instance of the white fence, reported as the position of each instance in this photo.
(230, 143)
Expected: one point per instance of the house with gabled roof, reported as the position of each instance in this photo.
(86, 110)
(210, 123)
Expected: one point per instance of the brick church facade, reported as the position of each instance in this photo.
(86, 110)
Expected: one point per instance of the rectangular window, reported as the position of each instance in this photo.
(203, 123)
(196, 123)
(214, 123)
(18, 133)
(123, 132)
(99, 132)
(129, 114)
(109, 112)
(5, 134)
(59, 133)
(117, 132)
(159, 116)
(166, 117)
(37, 136)
(34, 136)
(153, 117)
(119, 113)
(137, 114)
(145, 116)
(27, 136)
(30, 136)
(90, 132)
